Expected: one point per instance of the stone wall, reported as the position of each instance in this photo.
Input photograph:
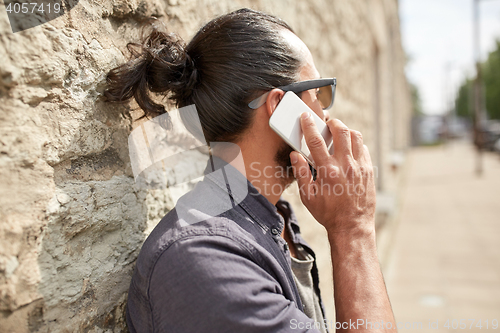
(72, 220)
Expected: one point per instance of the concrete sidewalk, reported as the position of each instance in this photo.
(445, 263)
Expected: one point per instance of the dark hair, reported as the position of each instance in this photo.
(229, 62)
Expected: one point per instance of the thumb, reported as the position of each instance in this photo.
(301, 172)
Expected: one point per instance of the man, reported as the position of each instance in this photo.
(245, 267)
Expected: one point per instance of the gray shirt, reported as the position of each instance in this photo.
(301, 268)
(217, 263)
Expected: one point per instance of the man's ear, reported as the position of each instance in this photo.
(273, 99)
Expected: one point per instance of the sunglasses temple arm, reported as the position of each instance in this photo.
(258, 102)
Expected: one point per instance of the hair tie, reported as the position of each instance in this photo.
(192, 79)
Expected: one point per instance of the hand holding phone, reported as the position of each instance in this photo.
(285, 121)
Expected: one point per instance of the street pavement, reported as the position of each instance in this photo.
(444, 267)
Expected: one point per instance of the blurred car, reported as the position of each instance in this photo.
(496, 147)
(491, 135)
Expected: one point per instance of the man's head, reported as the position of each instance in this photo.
(230, 61)
(307, 71)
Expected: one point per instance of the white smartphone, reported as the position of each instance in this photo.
(285, 121)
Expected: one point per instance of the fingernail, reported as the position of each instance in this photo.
(293, 158)
(305, 115)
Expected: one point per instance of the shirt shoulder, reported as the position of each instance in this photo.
(217, 282)
(170, 231)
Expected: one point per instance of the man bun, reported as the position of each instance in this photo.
(160, 64)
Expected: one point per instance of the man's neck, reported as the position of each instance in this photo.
(262, 172)
(268, 179)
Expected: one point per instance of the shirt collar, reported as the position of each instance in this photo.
(292, 223)
(244, 194)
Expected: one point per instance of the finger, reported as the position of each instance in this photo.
(365, 162)
(341, 138)
(314, 140)
(357, 145)
(366, 155)
(302, 173)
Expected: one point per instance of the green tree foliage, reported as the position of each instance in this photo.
(491, 77)
(415, 99)
(464, 102)
(491, 84)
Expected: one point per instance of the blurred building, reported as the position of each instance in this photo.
(71, 218)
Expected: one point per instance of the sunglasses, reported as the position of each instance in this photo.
(325, 93)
